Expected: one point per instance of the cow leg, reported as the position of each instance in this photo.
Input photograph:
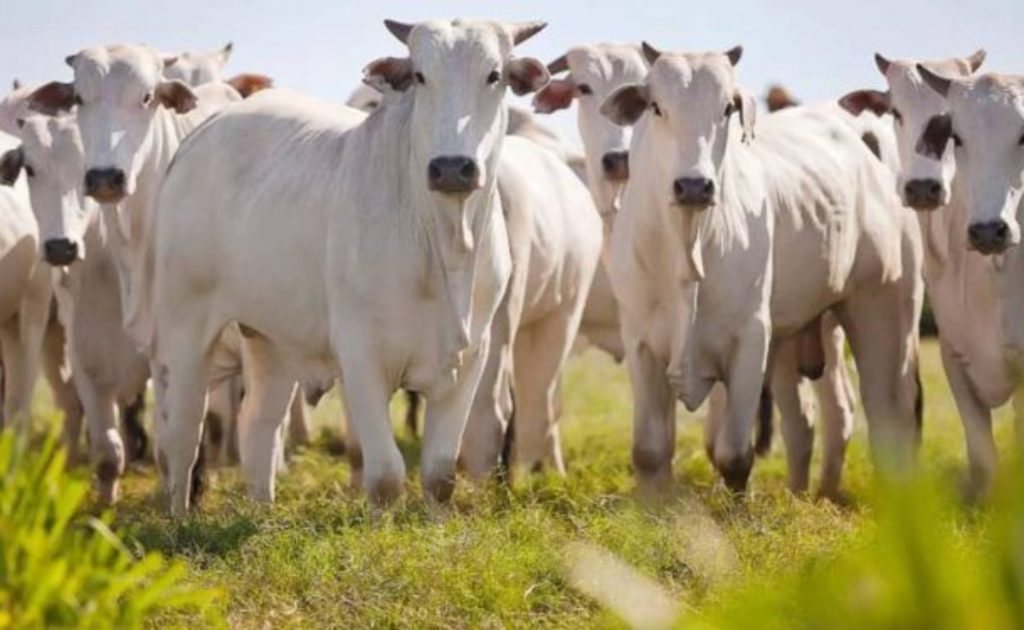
(447, 414)
(105, 442)
(269, 390)
(835, 397)
(887, 374)
(734, 449)
(366, 394)
(654, 421)
(540, 352)
(982, 457)
(714, 420)
(797, 413)
(54, 362)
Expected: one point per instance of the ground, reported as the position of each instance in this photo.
(525, 556)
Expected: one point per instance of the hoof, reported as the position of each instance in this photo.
(735, 471)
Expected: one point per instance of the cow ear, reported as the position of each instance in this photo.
(176, 95)
(526, 75)
(248, 84)
(734, 54)
(389, 73)
(626, 104)
(936, 82)
(169, 60)
(53, 98)
(872, 100)
(744, 103)
(11, 164)
(556, 95)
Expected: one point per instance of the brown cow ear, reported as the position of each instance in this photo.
(53, 98)
(556, 95)
(394, 73)
(526, 75)
(745, 104)
(176, 95)
(626, 104)
(11, 164)
(248, 84)
(872, 100)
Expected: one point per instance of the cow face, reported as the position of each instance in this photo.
(688, 102)
(927, 160)
(51, 156)
(986, 124)
(118, 91)
(458, 72)
(197, 68)
(594, 72)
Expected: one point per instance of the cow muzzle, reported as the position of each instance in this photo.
(991, 237)
(105, 185)
(694, 192)
(923, 194)
(615, 165)
(453, 174)
(60, 252)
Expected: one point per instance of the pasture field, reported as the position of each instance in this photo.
(582, 551)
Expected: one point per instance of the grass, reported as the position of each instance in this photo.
(559, 552)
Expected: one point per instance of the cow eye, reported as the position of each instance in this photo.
(148, 98)
(419, 77)
(657, 110)
(493, 77)
(584, 89)
(897, 116)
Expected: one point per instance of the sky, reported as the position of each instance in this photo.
(819, 50)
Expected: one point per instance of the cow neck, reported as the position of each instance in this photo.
(457, 270)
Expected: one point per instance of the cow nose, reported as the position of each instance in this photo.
(105, 185)
(453, 174)
(923, 194)
(60, 251)
(991, 237)
(694, 191)
(616, 166)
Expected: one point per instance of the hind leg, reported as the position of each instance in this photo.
(797, 415)
(835, 394)
(269, 390)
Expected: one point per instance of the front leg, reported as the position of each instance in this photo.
(734, 449)
(448, 407)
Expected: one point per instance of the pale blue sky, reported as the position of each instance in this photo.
(818, 49)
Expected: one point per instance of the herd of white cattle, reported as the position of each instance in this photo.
(160, 223)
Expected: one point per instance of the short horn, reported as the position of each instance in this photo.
(559, 65)
(400, 30)
(651, 53)
(975, 60)
(938, 83)
(882, 63)
(525, 30)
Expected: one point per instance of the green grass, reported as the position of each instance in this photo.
(529, 556)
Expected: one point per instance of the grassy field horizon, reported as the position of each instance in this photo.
(551, 551)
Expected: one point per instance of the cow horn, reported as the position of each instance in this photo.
(559, 65)
(651, 53)
(400, 30)
(975, 60)
(882, 63)
(525, 30)
(938, 83)
(734, 54)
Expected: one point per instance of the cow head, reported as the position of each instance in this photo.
(197, 68)
(688, 102)
(51, 156)
(592, 73)
(927, 161)
(118, 92)
(985, 123)
(14, 107)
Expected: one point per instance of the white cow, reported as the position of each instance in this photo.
(712, 217)
(391, 251)
(196, 68)
(25, 293)
(963, 284)
(131, 122)
(555, 240)
(594, 71)
(985, 122)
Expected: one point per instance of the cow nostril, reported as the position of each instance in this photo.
(433, 172)
(468, 170)
(935, 189)
(709, 188)
(1002, 231)
(117, 179)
